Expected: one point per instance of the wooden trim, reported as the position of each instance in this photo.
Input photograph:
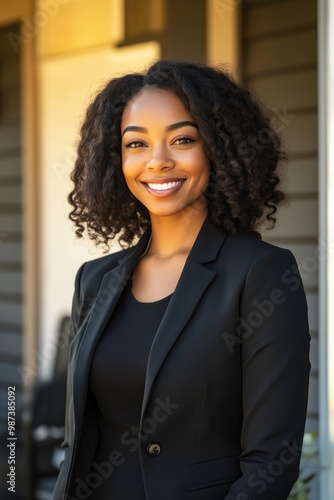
(224, 34)
(22, 11)
(118, 20)
(30, 182)
(14, 10)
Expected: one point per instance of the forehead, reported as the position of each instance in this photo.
(154, 105)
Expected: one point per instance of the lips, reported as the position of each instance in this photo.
(163, 187)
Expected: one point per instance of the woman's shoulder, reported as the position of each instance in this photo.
(247, 249)
(260, 265)
(91, 273)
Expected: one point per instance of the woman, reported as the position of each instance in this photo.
(188, 372)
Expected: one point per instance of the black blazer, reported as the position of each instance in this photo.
(225, 397)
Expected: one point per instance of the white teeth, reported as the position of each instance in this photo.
(164, 186)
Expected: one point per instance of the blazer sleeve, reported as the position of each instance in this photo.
(275, 340)
(75, 320)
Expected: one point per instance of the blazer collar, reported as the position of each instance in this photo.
(207, 244)
(205, 247)
(193, 282)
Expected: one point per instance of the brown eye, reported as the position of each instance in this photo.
(134, 144)
(183, 140)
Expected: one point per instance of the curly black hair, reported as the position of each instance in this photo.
(239, 139)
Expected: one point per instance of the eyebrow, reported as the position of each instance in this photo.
(169, 128)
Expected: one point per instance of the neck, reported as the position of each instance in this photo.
(175, 233)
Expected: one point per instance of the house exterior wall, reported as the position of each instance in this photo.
(272, 46)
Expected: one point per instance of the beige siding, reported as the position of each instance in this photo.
(295, 89)
(302, 176)
(12, 223)
(280, 66)
(281, 53)
(299, 220)
(276, 17)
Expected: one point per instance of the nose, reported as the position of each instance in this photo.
(160, 160)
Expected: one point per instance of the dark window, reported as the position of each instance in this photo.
(144, 17)
(179, 27)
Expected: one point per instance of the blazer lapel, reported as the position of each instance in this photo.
(89, 334)
(193, 282)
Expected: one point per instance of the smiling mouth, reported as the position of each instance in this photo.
(164, 186)
(163, 189)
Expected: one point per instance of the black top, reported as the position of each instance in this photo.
(117, 381)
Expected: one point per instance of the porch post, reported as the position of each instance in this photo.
(326, 246)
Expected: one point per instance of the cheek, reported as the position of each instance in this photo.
(127, 177)
(130, 183)
(204, 169)
(128, 168)
(130, 176)
(205, 178)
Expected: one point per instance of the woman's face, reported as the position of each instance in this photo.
(163, 160)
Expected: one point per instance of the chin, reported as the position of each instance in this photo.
(184, 212)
